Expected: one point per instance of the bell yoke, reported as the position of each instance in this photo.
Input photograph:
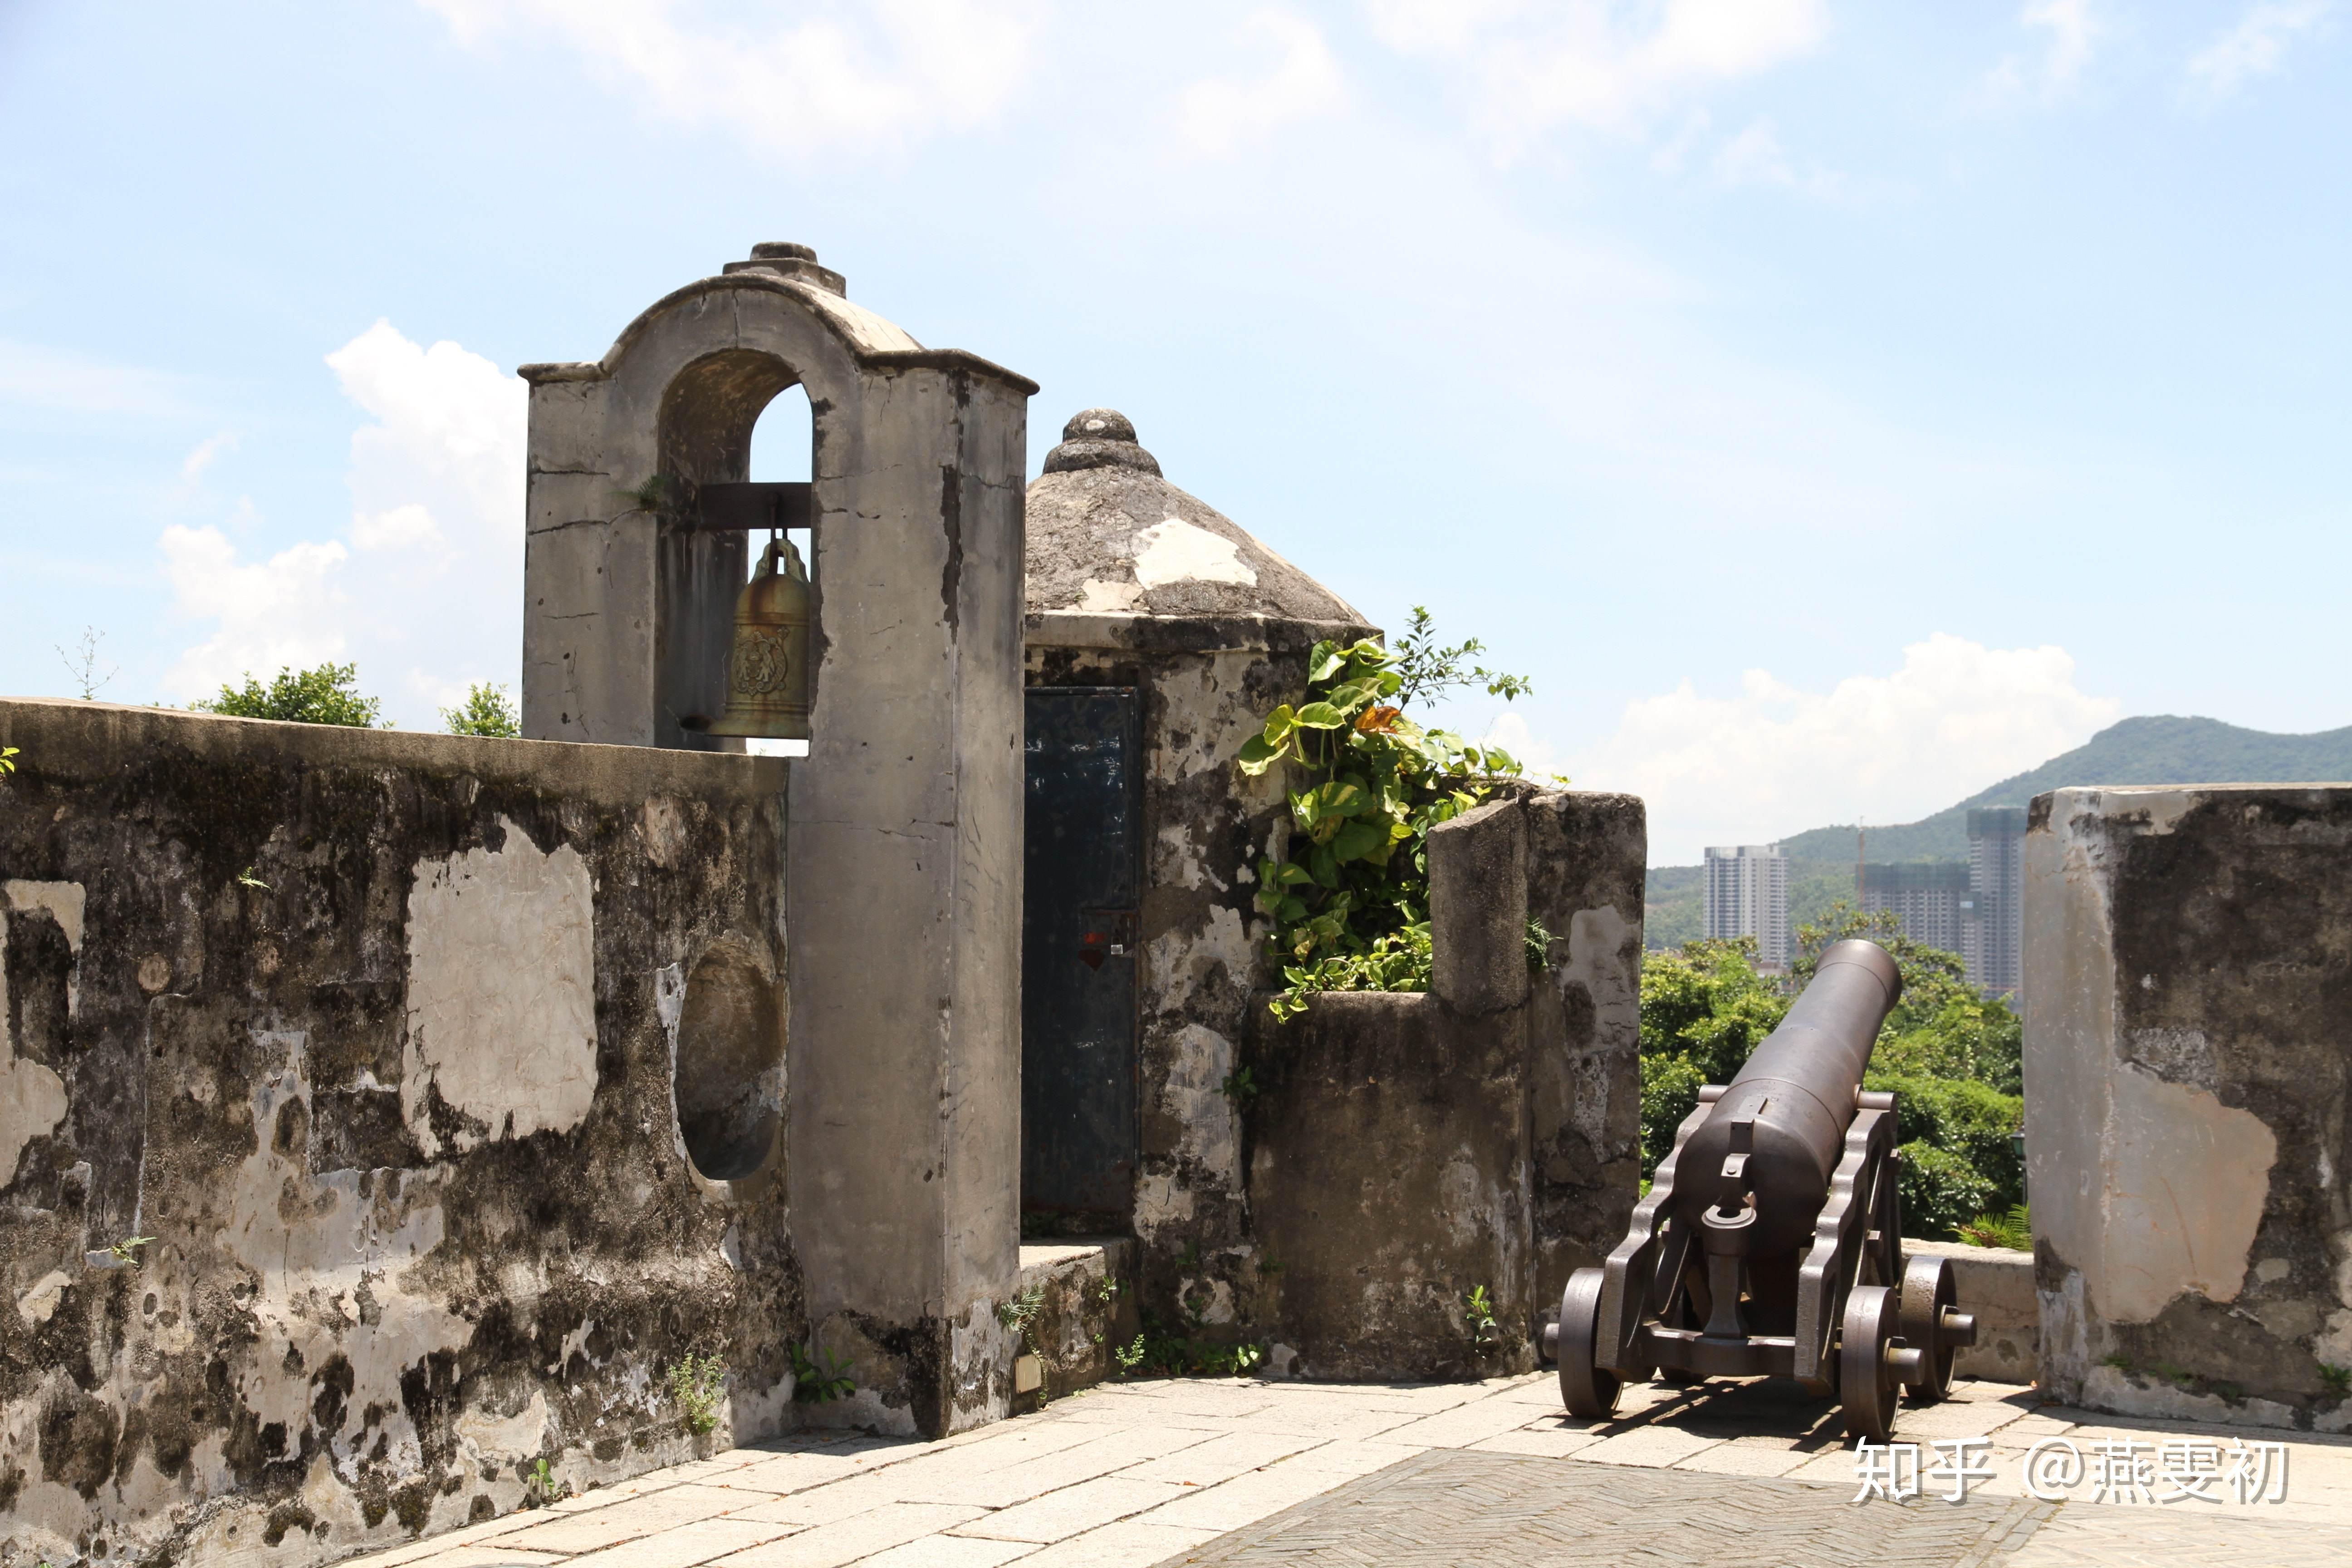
(1769, 1243)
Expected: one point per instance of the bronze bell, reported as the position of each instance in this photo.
(768, 673)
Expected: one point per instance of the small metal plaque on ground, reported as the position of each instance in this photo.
(1508, 1511)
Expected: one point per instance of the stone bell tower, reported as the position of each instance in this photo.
(904, 904)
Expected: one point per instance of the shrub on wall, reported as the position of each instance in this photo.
(327, 695)
(487, 710)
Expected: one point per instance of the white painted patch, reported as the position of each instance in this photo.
(2271, 1270)
(1175, 550)
(502, 1440)
(40, 1304)
(1098, 597)
(2184, 1190)
(1194, 1094)
(2334, 1346)
(1160, 1203)
(64, 901)
(32, 1096)
(502, 992)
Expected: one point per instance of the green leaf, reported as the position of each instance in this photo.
(1290, 874)
(1320, 716)
(1325, 864)
(1324, 660)
(1278, 725)
(1343, 797)
(1257, 754)
(1357, 840)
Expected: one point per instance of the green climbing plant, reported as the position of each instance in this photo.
(694, 1383)
(821, 1378)
(1349, 895)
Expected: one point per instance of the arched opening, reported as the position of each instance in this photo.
(783, 446)
(730, 1072)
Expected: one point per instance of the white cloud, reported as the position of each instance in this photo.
(437, 482)
(836, 73)
(1775, 759)
(2074, 29)
(202, 457)
(1755, 157)
(1220, 113)
(286, 610)
(1605, 65)
(448, 439)
(60, 381)
(2256, 46)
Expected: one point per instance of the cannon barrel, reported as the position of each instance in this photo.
(1754, 1176)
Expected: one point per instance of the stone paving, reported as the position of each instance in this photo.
(1233, 1472)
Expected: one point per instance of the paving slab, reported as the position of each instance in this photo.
(1191, 1473)
(684, 1546)
(1131, 1545)
(855, 1538)
(1500, 1510)
(1073, 1510)
(629, 1520)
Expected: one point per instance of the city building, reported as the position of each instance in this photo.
(1747, 895)
(1996, 931)
(1930, 897)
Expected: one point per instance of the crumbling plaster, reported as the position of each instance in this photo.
(367, 1303)
(2187, 1068)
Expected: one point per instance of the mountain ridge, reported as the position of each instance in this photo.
(2152, 748)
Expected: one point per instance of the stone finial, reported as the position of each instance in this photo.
(786, 259)
(1099, 438)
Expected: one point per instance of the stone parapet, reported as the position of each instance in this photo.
(381, 1115)
(2188, 1064)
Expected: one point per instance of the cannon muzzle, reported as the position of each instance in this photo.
(1753, 1176)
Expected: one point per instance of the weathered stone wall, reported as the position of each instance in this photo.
(1206, 687)
(404, 1049)
(1406, 1149)
(1587, 858)
(1996, 1285)
(2188, 1080)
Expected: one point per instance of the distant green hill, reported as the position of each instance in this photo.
(2157, 750)
(2151, 750)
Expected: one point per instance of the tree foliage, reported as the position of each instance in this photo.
(327, 695)
(1348, 892)
(487, 710)
(1950, 1057)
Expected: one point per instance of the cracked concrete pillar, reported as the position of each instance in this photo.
(1478, 908)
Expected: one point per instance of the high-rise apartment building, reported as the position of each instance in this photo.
(1996, 931)
(1930, 898)
(1747, 895)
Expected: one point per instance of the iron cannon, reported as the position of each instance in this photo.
(1770, 1241)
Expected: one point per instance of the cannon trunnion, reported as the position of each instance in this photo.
(1769, 1242)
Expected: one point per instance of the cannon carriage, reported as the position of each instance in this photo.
(1769, 1242)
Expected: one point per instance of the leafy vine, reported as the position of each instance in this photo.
(1349, 897)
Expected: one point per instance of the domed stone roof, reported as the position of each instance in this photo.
(1108, 536)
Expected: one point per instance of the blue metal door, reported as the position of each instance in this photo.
(1077, 953)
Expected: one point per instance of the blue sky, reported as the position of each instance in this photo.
(1833, 409)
